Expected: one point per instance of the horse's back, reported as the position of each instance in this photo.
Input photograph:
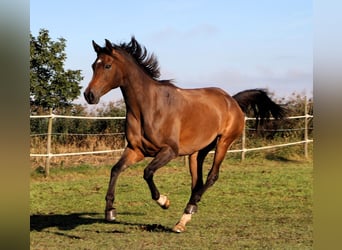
(208, 113)
(212, 101)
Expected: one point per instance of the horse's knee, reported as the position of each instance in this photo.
(148, 174)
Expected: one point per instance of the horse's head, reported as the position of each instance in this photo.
(107, 73)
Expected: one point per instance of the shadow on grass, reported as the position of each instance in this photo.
(273, 157)
(39, 222)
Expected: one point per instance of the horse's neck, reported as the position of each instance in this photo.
(137, 93)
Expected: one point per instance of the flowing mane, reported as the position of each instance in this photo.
(148, 62)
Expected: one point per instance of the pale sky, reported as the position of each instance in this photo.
(234, 45)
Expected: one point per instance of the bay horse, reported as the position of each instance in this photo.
(164, 121)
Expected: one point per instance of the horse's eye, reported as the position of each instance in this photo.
(108, 66)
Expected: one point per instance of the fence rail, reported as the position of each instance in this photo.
(243, 149)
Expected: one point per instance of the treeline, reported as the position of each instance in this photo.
(79, 126)
(75, 134)
(80, 135)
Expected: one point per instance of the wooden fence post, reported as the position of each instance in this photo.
(48, 149)
(186, 160)
(243, 141)
(306, 129)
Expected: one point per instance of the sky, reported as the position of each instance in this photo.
(234, 45)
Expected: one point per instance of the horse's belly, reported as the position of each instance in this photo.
(195, 142)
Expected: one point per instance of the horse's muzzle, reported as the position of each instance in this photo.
(90, 97)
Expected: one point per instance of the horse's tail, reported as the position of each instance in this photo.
(261, 104)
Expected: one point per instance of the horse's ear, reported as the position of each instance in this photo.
(97, 48)
(133, 40)
(109, 45)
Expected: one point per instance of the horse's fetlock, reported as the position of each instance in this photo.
(211, 180)
(190, 209)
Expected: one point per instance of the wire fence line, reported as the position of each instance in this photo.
(243, 149)
(48, 155)
(87, 134)
(123, 118)
(52, 116)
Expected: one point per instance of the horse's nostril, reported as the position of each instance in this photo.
(89, 96)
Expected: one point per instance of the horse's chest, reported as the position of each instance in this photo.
(143, 141)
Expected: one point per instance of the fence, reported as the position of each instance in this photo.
(243, 149)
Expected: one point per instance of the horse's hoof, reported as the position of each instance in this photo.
(166, 205)
(163, 202)
(178, 228)
(110, 215)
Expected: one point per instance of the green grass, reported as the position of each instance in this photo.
(255, 204)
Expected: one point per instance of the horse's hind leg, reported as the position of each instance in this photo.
(128, 157)
(191, 208)
(196, 170)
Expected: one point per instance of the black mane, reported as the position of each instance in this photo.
(148, 62)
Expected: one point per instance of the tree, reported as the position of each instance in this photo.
(51, 86)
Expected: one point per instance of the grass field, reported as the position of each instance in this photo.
(256, 204)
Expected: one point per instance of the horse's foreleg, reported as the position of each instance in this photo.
(163, 157)
(128, 157)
